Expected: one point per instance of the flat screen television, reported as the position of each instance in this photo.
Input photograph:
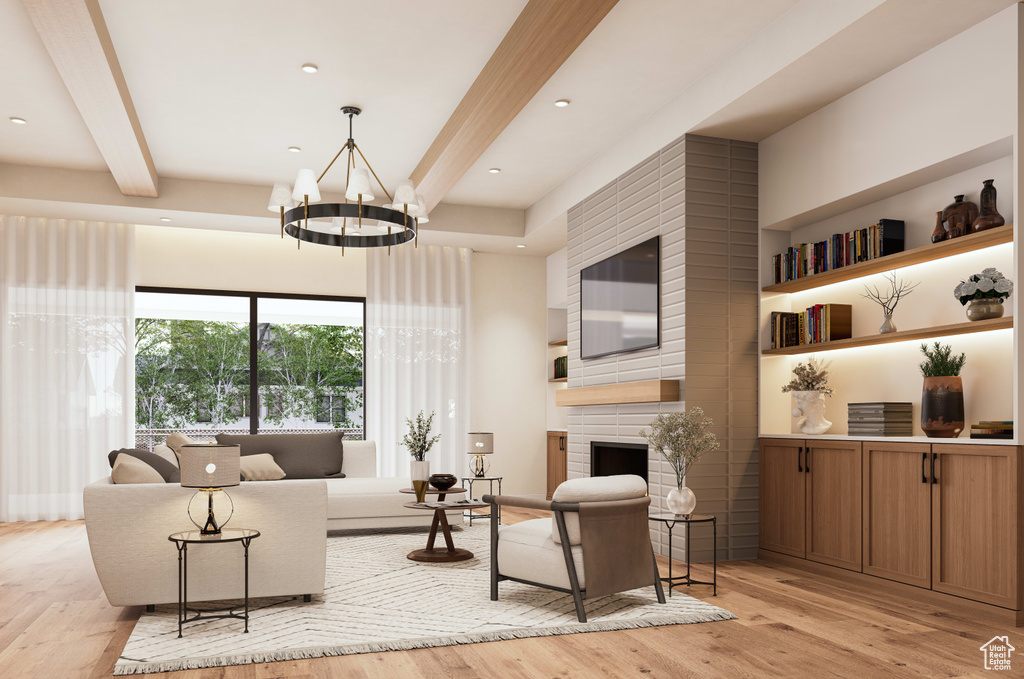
(619, 302)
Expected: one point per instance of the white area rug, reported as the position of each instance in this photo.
(377, 600)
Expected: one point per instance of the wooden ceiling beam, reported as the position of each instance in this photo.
(77, 39)
(541, 39)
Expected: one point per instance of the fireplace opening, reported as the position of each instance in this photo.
(609, 459)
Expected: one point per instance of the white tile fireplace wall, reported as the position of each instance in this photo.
(700, 195)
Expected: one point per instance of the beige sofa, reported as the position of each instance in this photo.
(128, 525)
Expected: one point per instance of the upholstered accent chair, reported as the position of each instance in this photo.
(596, 543)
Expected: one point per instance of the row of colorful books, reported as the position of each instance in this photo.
(841, 249)
(819, 323)
(561, 367)
(992, 429)
(881, 418)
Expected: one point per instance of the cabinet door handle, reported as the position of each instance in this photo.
(799, 463)
(924, 475)
(934, 455)
(561, 443)
(807, 460)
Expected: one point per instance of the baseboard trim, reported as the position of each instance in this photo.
(994, 613)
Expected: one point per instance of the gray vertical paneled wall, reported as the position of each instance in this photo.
(700, 195)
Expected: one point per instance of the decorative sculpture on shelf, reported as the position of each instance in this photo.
(809, 387)
(958, 216)
(989, 217)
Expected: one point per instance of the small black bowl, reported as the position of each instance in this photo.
(442, 481)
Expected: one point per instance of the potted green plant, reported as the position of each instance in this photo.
(418, 441)
(942, 397)
(809, 387)
(983, 294)
(682, 439)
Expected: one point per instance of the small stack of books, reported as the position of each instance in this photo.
(561, 367)
(819, 323)
(881, 418)
(992, 429)
(839, 250)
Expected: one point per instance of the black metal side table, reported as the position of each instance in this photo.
(193, 537)
(671, 520)
(467, 481)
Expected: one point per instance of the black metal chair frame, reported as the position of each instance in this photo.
(558, 510)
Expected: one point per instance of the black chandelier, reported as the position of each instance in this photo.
(354, 223)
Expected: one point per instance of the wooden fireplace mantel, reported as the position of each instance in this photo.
(651, 391)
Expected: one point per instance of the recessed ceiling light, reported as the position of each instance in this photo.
(495, 170)
(294, 149)
(165, 219)
(310, 68)
(18, 121)
(562, 103)
(520, 246)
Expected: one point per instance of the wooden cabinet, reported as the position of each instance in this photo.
(897, 512)
(782, 508)
(833, 472)
(810, 500)
(975, 517)
(557, 466)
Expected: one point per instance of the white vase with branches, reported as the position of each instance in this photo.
(418, 441)
(682, 439)
(809, 388)
(888, 299)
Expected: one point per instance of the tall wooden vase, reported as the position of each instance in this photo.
(942, 407)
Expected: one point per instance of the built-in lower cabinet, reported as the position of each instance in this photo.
(944, 517)
(557, 460)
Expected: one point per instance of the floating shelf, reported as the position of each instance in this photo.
(900, 336)
(927, 253)
(559, 379)
(559, 343)
(651, 391)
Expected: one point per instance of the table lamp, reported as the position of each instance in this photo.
(210, 467)
(479, 444)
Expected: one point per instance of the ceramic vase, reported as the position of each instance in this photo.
(939, 232)
(419, 471)
(681, 501)
(809, 413)
(987, 307)
(888, 325)
(989, 217)
(959, 215)
(942, 407)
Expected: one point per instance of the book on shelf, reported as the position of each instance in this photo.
(839, 250)
(881, 418)
(819, 323)
(561, 367)
(992, 429)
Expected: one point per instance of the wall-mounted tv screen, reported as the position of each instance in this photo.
(619, 302)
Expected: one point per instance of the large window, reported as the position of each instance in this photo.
(204, 359)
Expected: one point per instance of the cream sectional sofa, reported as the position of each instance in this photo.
(128, 527)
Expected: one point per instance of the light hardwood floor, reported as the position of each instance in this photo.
(56, 623)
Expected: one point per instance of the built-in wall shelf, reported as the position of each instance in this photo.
(899, 336)
(559, 343)
(559, 379)
(927, 253)
(651, 391)
(964, 440)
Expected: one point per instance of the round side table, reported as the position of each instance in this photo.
(467, 481)
(688, 520)
(193, 537)
(430, 554)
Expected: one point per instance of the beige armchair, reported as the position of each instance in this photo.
(596, 543)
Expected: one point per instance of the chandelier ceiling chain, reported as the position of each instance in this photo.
(299, 205)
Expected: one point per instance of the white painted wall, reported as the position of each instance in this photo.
(558, 288)
(508, 357)
(226, 260)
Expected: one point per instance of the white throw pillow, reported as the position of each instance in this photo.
(165, 452)
(175, 441)
(128, 469)
(260, 468)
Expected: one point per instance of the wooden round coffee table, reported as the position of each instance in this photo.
(440, 555)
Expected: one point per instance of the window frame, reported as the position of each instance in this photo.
(254, 297)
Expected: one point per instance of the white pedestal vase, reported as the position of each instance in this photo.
(681, 501)
(809, 413)
(419, 471)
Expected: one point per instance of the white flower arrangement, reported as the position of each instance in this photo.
(987, 284)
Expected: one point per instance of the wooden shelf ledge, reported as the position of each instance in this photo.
(926, 253)
(651, 391)
(559, 379)
(900, 336)
(559, 343)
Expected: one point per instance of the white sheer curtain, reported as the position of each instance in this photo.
(67, 360)
(417, 337)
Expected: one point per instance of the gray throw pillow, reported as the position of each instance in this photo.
(301, 456)
(168, 471)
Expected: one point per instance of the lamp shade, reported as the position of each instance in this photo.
(305, 185)
(479, 443)
(405, 197)
(421, 216)
(210, 465)
(359, 185)
(281, 197)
